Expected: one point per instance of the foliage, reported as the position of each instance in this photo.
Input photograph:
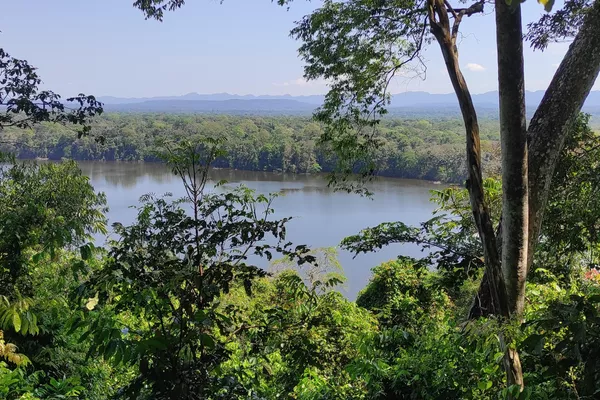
(48, 214)
(440, 361)
(449, 238)
(298, 339)
(165, 329)
(24, 104)
(358, 46)
(402, 294)
(571, 234)
(8, 352)
(17, 384)
(155, 303)
(43, 208)
(420, 351)
(155, 8)
(176, 308)
(562, 24)
(407, 148)
(560, 339)
(325, 268)
(18, 316)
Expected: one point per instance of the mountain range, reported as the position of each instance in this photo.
(225, 103)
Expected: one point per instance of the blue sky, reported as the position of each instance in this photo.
(105, 47)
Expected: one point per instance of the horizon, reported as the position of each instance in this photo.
(216, 48)
(301, 95)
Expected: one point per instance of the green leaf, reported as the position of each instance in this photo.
(207, 340)
(25, 325)
(36, 258)
(86, 252)
(74, 324)
(514, 390)
(85, 335)
(110, 349)
(154, 343)
(16, 319)
(484, 385)
(534, 344)
(118, 356)
(594, 299)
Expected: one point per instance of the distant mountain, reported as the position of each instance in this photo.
(234, 106)
(411, 103)
(316, 100)
(488, 99)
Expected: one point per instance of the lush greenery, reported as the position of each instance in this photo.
(408, 148)
(174, 308)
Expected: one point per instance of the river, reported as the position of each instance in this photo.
(321, 216)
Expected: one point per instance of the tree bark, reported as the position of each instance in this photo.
(548, 128)
(513, 139)
(481, 305)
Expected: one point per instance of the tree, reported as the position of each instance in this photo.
(409, 148)
(48, 213)
(24, 104)
(571, 232)
(154, 304)
(359, 45)
(43, 208)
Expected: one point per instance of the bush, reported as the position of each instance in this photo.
(402, 293)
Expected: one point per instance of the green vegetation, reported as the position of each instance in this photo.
(359, 46)
(175, 309)
(410, 148)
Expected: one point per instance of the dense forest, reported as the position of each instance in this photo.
(409, 148)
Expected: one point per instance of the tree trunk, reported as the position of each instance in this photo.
(518, 234)
(481, 305)
(511, 363)
(513, 138)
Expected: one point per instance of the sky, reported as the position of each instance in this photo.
(106, 47)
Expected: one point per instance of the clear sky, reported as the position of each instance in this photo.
(105, 47)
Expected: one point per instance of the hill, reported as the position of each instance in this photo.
(402, 104)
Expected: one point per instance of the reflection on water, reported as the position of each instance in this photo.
(321, 216)
(126, 175)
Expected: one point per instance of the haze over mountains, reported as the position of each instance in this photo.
(225, 103)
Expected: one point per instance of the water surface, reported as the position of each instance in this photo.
(321, 216)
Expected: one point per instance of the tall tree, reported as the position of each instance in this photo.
(560, 106)
(336, 36)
